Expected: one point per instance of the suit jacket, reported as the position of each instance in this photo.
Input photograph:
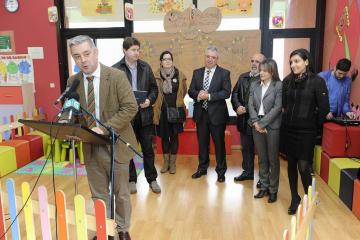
(219, 90)
(240, 97)
(272, 102)
(145, 82)
(117, 108)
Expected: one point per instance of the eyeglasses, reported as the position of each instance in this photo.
(166, 59)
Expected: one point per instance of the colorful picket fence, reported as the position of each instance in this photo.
(302, 224)
(9, 210)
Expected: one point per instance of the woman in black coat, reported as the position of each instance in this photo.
(305, 105)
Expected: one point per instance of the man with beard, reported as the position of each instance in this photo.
(239, 100)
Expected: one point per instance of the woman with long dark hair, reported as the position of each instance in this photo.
(265, 104)
(172, 90)
(305, 104)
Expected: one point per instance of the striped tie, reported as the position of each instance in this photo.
(206, 87)
(91, 102)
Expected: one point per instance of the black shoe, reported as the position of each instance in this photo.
(243, 177)
(272, 197)
(124, 236)
(199, 173)
(258, 184)
(221, 178)
(109, 238)
(294, 205)
(261, 194)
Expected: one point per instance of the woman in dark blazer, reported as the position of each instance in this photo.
(265, 118)
(305, 104)
(172, 90)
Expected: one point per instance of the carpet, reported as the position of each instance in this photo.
(64, 168)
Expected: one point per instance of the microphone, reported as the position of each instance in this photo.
(72, 104)
(68, 90)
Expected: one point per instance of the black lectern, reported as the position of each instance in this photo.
(68, 131)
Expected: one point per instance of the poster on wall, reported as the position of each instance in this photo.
(7, 43)
(156, 6)
(278, 14)
(244, 7)
(16, 68)
(98, 7)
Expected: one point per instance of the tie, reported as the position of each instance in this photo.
(206, 87)
(91, 102)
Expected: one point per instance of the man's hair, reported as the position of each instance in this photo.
(81, 39)
(343, 65)
(213, 49)
(129, 42)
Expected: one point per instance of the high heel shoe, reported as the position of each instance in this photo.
(294, 205)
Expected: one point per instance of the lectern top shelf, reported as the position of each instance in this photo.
(62, 131)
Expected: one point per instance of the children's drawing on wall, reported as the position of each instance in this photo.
(235, 6)
(163, 6)
(16, 68)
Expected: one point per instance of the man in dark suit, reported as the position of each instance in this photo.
(239, 101)
(210, 86)
(106, 93)
(141, 78)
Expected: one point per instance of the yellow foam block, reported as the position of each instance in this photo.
(336, 164)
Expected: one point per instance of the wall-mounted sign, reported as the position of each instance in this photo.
(7, 44)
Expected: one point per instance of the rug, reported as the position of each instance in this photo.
(64, 168)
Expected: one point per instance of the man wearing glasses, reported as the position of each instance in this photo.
(239, 100)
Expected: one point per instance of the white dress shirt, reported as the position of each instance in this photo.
(264, 88)
(211, 74)
(96, 83)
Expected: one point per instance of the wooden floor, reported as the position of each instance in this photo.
(204, 209)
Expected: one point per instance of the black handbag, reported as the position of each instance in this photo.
(175, 114)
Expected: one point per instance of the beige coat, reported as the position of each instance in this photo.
(179, 99)
(117, 108)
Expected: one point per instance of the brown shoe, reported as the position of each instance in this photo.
(124, 236)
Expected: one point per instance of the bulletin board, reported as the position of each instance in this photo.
(235, 50)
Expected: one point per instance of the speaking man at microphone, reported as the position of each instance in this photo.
(106, 93)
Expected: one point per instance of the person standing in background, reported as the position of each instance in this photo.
(172, 90)
(210, 86)
(265, 105)
(305, 106)
(239, 101)
(141, 78)
(339, 87)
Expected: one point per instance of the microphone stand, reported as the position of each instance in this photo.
(114, 137)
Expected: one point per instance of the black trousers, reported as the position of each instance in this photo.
(204, 129)
(144, 136)
(247, 143)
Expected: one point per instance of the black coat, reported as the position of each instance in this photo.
(219, 90)
(240, 97)
(145, 82)
(305, 102)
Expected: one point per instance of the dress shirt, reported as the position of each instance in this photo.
(96, 83)
(264, 88)
(211, 74)
(133, 70)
